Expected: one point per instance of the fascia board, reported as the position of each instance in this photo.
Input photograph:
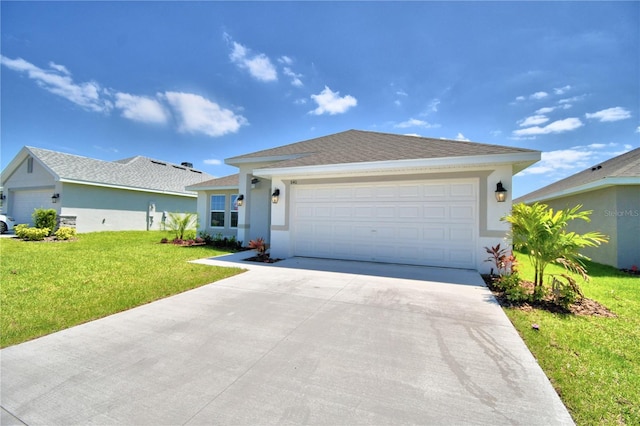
(269, 159)
(591, 186)
(390, 166)
(128, 188)
(212, 188)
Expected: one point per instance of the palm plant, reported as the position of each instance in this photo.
(541, 232)
(180, 223)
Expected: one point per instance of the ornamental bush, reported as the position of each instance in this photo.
(35, 234)
(65, 233)
(45, 218)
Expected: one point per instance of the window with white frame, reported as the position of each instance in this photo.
(233, 220)
(30, 165)
(217, 210)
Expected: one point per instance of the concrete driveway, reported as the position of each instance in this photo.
(302, 341)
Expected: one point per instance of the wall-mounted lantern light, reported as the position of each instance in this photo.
(240, 200)
(55, 197)
(501, 193)
(2, 196)
(275, 197)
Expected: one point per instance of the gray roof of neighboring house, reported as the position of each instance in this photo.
(230, 181)
(357, 146)
(135, 172)
(623, 168)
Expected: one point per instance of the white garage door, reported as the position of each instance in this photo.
(431, 223)
(24, 202)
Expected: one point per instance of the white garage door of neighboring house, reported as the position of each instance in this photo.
(25, 201)
(430, 223)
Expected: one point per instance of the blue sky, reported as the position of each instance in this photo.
(204, 81)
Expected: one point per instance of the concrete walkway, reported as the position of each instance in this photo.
(302, 341)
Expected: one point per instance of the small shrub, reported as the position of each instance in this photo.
(181, 224)
(65, 233)
(45, 218)
(178, 241)
(497, 256)
(565, 293)
(35, 234)
(164, 241)
(189, 234)
(517, 294)
(508, 282)
(206, 237)
(20, 230)
(259, 246)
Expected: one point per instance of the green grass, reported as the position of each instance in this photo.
(50, 286)
(593, 362)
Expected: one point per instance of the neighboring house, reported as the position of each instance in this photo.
(94, 195)
(612, 190)
(368, 196)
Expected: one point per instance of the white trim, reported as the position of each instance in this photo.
(402, 166)
(268, 159)
(212, 188)
(591, 186)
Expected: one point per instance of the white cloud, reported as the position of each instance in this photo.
(461, 137)
(331, 103)
(60, 68)
(539, 95)
(401, 93)
(58, 81)
(432, 107)
(562, 90)
(295, 78)
(258, 65)
(212, 162)
(200, 115)
(520, 98)
(285, 60)
(533, 120)
(559, 161)
(140, 108)
(559, 126)
(414, 122)
(564, 162)
(545, 110)
(495, 132)
(638, 129)
(572, 99)
(610, 114)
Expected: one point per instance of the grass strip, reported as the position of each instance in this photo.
(50, 286)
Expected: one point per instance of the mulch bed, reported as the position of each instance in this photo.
(583, 307)
(262, 259)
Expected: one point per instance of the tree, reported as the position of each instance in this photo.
(180, 223)
(541, 232)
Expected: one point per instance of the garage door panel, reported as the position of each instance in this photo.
(423, 223)
(25, 201)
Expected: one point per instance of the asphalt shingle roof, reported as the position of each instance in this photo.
(135, 172)
(357, 146)
(225, 181)
(622, 166)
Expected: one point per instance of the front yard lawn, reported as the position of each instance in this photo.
(593, 362)
(50, 286)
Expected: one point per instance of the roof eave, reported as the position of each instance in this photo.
(237, 161)
(591, 186)
(522, 159)
(129, 188)
(212, 188)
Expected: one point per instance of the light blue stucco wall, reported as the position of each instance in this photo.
(110, 209)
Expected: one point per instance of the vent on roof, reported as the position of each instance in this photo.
(187, 164)
(196, 171)
(178, 167)
(598, 167)
(158, 162)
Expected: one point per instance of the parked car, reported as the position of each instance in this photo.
(6, 223)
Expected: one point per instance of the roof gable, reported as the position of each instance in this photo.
(356, 146)
(623, 168)
(136, 172)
